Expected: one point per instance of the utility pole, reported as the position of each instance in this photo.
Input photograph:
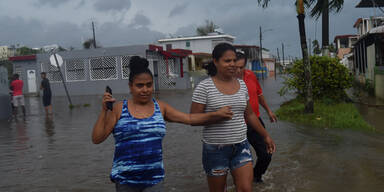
(261, 54)
(282, 46)
(278, 58)
(94, 37)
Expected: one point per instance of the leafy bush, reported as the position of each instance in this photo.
(329, 78)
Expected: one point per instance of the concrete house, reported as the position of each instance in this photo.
(26, 67)
(88, 72)
(344, 44)
(369, 49)
(201, 46)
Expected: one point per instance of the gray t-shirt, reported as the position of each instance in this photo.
(224, 132)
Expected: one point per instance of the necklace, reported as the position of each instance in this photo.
(139, 113)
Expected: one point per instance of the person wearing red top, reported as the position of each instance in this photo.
(17, 92)
(255, 98)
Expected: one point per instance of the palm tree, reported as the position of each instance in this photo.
(304, 50)
(323, 7)
(319, 8)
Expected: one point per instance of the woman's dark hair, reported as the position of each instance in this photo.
(137, 66)
(217, 53)
(240, 55)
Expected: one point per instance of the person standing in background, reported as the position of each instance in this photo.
(17, 91)
(255, 98)
(47, 94)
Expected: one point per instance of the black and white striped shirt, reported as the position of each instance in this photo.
(224, 132)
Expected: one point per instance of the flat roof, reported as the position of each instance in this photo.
(196, 38)
(23, 58)
(344, 36)
(370, 3)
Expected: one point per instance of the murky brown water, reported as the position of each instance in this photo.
(39, 154)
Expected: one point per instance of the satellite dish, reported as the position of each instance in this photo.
(59, 60)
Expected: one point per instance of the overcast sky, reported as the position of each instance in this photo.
(123, 22)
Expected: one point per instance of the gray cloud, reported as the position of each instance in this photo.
(112, 5)
(239, 19)
(115, 34)
(34, 33)
(140, 20)
(178, 9)
(52, 3)
(81, 3)
(188, 30)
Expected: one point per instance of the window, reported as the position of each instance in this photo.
(75, 69)
(125, 66)
(53, 73)
(187, 44)
(168, 47)
(103, 68)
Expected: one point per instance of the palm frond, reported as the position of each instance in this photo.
(319, 5)
(263, 3)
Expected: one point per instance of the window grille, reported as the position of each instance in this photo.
(75, 69)
(103, 68)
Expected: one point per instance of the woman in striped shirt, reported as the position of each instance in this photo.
(138, 126)
(225, 145)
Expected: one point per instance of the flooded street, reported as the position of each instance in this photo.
(39, 154)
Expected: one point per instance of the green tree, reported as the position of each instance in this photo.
(323, 8)
(332, 48)
(309, 104)
(209, 27)
(316, 47)
(88, 44)
(329, 78)
(26, 51)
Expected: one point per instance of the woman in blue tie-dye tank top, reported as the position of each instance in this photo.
(138, 126)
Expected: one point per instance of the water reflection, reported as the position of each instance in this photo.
(56, 154)
(49, 128)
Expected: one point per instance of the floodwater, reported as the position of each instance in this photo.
(39, 154)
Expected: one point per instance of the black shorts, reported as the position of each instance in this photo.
(47, 100)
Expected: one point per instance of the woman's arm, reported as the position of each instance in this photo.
(105, 122)
(264, 104)
(173, 115)
(254, 122)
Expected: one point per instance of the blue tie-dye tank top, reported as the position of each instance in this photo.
(138, 159)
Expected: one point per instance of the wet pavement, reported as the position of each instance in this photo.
(40, 154)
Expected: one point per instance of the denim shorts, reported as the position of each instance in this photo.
(219, 159)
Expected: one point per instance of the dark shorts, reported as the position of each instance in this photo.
(47, 99)
(127, 188)
(219, 159)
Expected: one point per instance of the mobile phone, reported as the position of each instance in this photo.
(109, 103)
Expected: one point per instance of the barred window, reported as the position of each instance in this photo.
(53, 73)
(103, 68)
(173, 67)
(125, 66)
(75, 69)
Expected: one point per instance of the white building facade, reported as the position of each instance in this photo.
(197, 44)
